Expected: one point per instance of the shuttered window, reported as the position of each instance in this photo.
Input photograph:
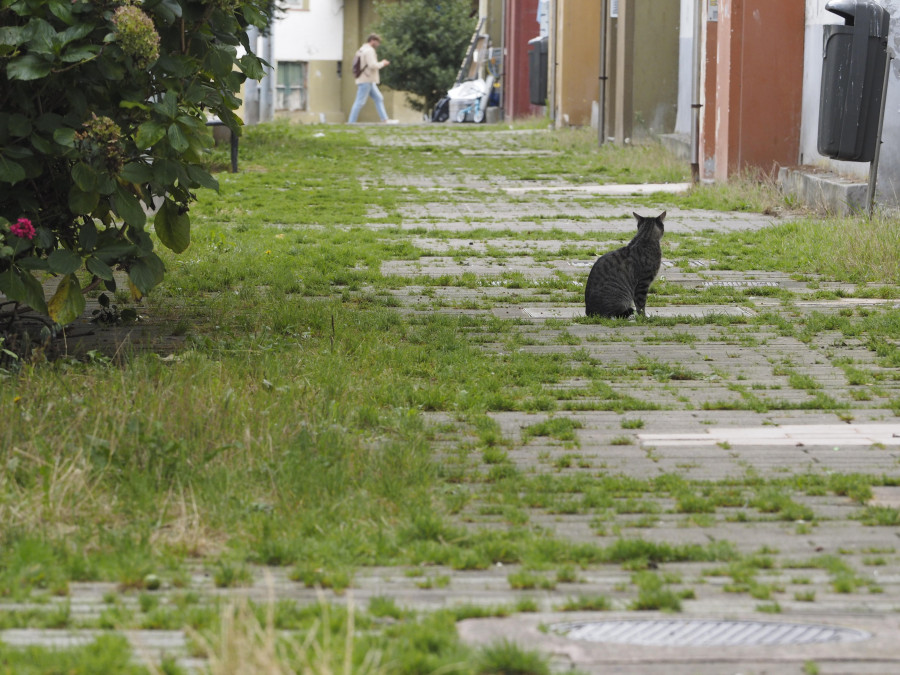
(291, 85)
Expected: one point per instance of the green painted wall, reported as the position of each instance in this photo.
(655, 53)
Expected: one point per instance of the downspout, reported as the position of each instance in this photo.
(551, 63)
(696, 94)
(251, 87)
(267, 95)
(503, 68)
(601, 112)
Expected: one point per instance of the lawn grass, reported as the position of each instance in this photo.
(315, 422)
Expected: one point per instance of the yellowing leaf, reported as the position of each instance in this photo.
(67, 304)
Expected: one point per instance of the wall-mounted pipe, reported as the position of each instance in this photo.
(696, 94)
(601, 104)
(551, 61)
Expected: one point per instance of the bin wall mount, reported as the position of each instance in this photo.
(854, 61)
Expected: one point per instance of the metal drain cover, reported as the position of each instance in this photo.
(700, 633)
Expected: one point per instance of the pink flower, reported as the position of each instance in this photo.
(23, 228)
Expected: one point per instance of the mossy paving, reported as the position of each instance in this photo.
(681, 374)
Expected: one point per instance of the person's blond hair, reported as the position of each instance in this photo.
(373, 36)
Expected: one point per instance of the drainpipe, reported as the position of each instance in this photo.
(696, 96)
(503, 65)
(551, 63)
(267, 86)
(601, 104)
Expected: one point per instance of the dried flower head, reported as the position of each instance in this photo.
(137, 35)
(101, 143)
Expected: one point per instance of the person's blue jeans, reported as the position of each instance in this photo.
(363, 91)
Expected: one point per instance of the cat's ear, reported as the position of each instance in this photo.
(637, 218)
(662, 216)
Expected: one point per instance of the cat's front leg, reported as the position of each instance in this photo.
(640, 299)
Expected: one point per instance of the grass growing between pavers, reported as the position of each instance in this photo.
(295, 428)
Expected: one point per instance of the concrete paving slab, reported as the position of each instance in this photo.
(608, 189)
(671, 311)
(831, 435)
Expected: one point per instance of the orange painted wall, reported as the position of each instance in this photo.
(759, 78)
(708, 112)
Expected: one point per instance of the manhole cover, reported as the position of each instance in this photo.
(698, 633)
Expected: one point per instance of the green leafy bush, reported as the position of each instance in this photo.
(103, 119)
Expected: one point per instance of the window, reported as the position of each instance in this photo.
(297, 4)
(291, 86)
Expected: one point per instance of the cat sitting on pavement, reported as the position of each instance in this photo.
(618, 283)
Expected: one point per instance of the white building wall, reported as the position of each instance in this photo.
(316, 34)
(685, 67)
(889, 167)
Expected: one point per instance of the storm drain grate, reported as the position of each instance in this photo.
(699, 633)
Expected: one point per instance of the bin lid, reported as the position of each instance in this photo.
(864, 14)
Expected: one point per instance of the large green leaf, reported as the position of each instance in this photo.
(33, 262)
(85, 177)
(11, 36)
(79, 53)
(67, 304)
(27, 67)
(146, 272)
(10, 171)
(82, 202)
(173, 228)
(99, 268)
(87, 236)
(149, 134)
(251, 66)
(19, 125)
(72, 33)
(177, 139)
(112, 252)
(202, 178)
(63, 261)
(64, 136)
(220, 60)
(137, 172)
(22, 287)
(128, 207)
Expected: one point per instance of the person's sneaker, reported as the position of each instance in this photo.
(392, 121)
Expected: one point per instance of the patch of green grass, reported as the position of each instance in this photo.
(107, 655)
(769, 608)
(653, 594)
(559, 428)
(585, 603)
(510, 658)
(774, 501)
(691, 503)
(886, 516)
(526, 580)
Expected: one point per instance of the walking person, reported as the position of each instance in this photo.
(367, 80)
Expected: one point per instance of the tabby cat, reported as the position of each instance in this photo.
(618, 283)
